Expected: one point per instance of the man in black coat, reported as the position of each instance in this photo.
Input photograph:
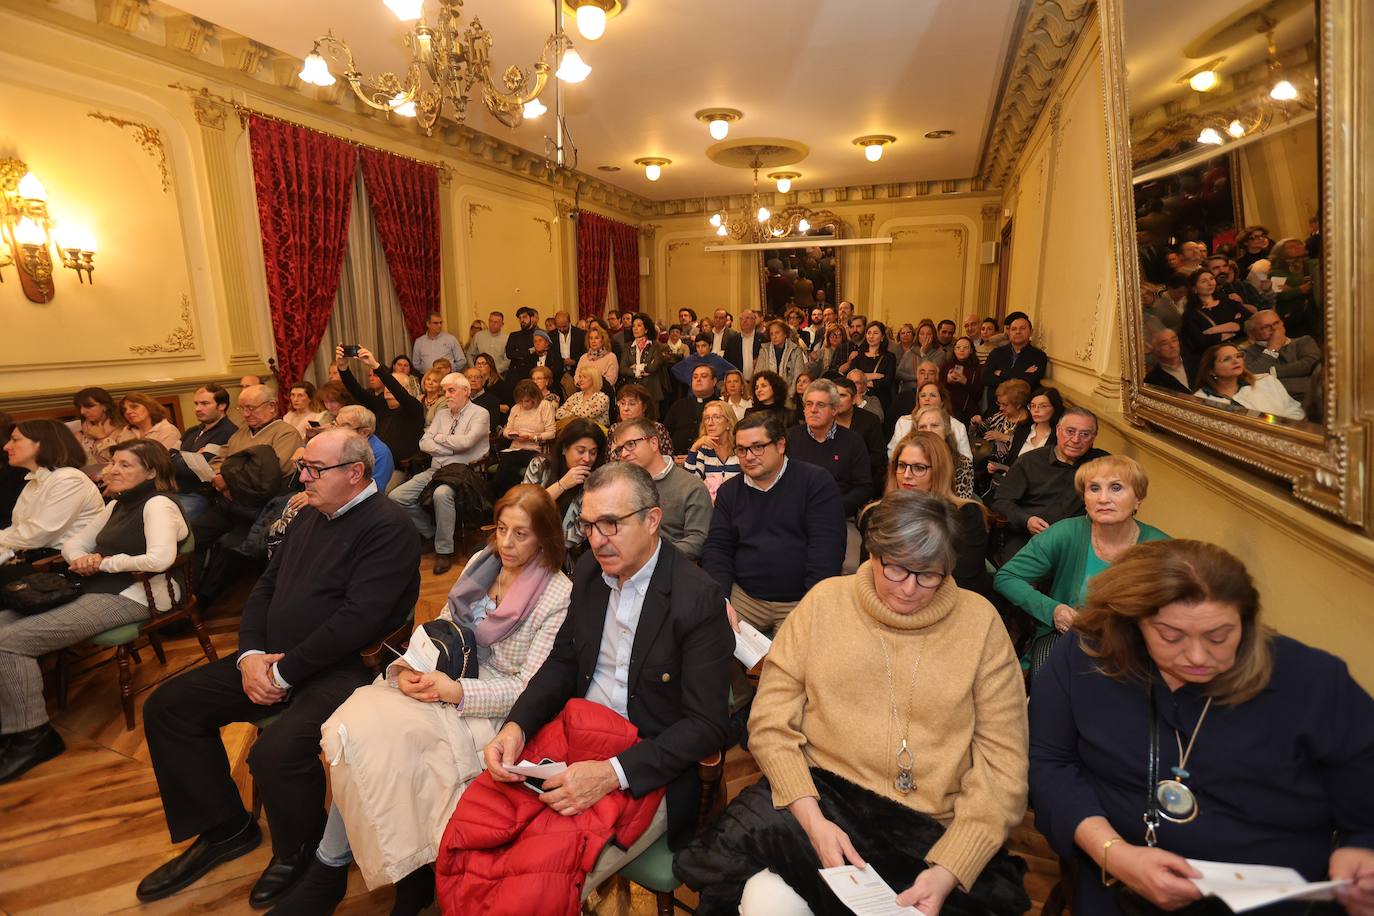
(520, 344)
(665, 667)
(869, 428)
(569, 343)
(346, 575)
(1016, 359)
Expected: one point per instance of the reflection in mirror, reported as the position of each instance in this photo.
(1227, 182)
(806, 276)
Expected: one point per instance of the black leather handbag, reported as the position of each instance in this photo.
(38, 592)
(457, 648)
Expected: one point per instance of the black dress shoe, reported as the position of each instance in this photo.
(321, 890)
(277, 879)
(199, 858)
(27, 749)
(443, 562)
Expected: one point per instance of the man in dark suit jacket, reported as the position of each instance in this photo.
(666, 669)
(569, 343)
(346, 575)
(869, 428)
(1016, 359)
(721, 332)
(734, 343)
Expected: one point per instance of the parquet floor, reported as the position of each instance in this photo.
(78, 833)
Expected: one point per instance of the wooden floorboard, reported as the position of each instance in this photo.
(79, 832)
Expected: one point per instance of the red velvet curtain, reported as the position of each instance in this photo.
(405, 202)
(593, 263)
(625, 247)
(304, 186)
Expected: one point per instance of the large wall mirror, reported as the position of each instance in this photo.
(807, 275)
(1240, 307)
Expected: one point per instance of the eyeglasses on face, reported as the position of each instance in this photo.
(253, 408)
(756, 450)
(1078, 433)
(312, 472)
(916, 469)
(606, 527)
(627, 446)
(898, 574)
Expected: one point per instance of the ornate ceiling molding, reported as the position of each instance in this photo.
(1037, 58)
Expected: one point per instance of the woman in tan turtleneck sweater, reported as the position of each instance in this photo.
(893, 681)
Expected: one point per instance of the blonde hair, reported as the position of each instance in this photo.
(1123, 466)
(729, 417)
(593, 374)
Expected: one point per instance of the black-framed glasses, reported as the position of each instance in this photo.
(898, 574)
(627, 446)
(606, 527)
(915, 468)
(310, 472)
(756, 450)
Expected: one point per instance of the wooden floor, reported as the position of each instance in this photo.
(78, 833)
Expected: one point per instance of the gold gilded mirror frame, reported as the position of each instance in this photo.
(1331, 471)
(819, 220)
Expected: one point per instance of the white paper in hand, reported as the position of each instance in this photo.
(537, 770)
(422, 654)
(196, 464)
(1249, 887)
(865, 892)
(750, 645)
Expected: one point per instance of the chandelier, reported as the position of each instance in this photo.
(757, 223)
(1280, 103)
(29, 236)
(457, 63)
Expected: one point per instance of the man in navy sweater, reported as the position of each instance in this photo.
(346, 575)
(841, 452)
(777, 530)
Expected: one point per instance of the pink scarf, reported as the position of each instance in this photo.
(515, 605)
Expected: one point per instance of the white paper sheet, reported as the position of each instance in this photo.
(865, 892)
(750, 645)
(537, 770)
(1249, 887)
(422, 654)
(197, 464)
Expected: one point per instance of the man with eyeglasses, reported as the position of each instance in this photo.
(1038, 490)
(819, 440)
(261, 426)
(683, 497)
(645, 637)
(345, 576)
(459, 435)
(1293, 359)
(778, 527)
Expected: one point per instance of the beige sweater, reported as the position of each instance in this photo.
(825, 701)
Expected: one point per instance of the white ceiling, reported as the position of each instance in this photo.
(819, 71)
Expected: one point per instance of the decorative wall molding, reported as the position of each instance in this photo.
(180, 339)
(188, 34)
(125, 15)
(1084, 354)
(210, 109)
(959, 239)
(473, 209)
(548, 229)
(674, 246)
(148, 137)
(647, 232)
(866, 225)
(991, 211)
(245, 54)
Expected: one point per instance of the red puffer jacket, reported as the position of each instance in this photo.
(506, 852)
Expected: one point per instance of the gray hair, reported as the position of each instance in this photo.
(641, 484)
(1080, 412)
(641, 425)
(826, 387)
(353, 449)
(458, 379)
(916, 530)
(361, 416)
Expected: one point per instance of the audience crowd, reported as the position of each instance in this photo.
(914, 516)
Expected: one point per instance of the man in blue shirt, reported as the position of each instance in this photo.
(436, 343)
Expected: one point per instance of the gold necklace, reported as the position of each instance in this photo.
(1177, 803)
(903, 782)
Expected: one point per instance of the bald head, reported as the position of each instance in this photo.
(258, 406)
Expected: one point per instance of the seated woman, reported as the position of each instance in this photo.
(600, 358)
(494, 383)
(924, 463)
(931, 394)
(542, 376)
(403, 749)
(634, 402)
(333, 395)
(58, 499)
(713, 454)
(997, 430)
(1069, 553)
(1278, 774)
(306, 411)
(137, 531)
(147, 419)
(1046, 407)
(401, 365)
(588, 401)
(432, 393)
(579, 449)
(733, 392)
(528, 428)
(12, 479)
(935, 420)
(901, 745)
(799, 388)
(101, 427)
(770, 393)
(963, 378)
(1223, 379)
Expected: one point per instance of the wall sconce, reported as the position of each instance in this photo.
(26, 235)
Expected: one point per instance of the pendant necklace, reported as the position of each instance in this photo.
(904, 782)
(1177, 803)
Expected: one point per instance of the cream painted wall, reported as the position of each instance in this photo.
(1279, 183)
(1315, 576)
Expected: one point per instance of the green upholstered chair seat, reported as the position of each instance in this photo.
(653, 868)
(118, 636)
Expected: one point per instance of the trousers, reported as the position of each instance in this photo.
(182, 720)
(445, 519)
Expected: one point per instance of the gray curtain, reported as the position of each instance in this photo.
(366, 309)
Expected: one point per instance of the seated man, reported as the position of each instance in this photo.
(261, 426)
(683, 497)
(819, 440)
(631, 589)
(211, 403)
(1169, 371)
(778, 527)
(1293, 359)
(1038, 490)
(345, 576)
(684, 416)
(459, 435)
(869, 428)
(863, 400)
(483, 397)
(364, 422)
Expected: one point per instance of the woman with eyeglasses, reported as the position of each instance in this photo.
(579, 449)
(713, 454)
(890, 726)
(935, 420)
(1049, 577)
(1172, 724)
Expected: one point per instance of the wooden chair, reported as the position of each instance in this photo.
(126, 640)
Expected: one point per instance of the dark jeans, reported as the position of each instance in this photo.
(182, 720)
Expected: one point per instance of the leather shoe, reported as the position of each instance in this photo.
(443, 562)
(27, 749)
(321, 890)
(277, 879)
(199, 858)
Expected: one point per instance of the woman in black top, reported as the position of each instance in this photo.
(879, 365)
(1208, 320)
(400, 415)
(770, 394)
(497, 385)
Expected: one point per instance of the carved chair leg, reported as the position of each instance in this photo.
(133, 653)
(156, 642)
(126, 685)
(202, 637)
(665, 903)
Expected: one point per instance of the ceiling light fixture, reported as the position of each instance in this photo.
(533, 109)
(1209, 136)
(1204, 81)
(939, 134)
(718, 120)
(1236, 129)
(1256, 113)
(784, 180)
(653, 166)
(757, 222)
(873, 145)
(591, 19)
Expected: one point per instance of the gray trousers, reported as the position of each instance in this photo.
(441, 526)
(24, 639)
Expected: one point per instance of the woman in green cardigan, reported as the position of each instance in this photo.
(1070, 552)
